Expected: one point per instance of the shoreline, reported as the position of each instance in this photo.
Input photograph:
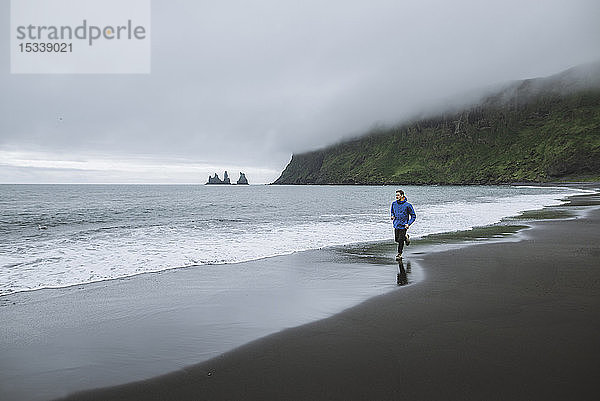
(593, 180)
(361, 255)
(503, 332)
(57, 341)
(582, 186)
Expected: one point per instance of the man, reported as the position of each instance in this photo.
(403, 215)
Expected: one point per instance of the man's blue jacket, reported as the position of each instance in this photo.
(403, 213)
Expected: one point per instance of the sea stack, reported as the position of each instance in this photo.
(214, 180)
(242, 180)
(217, 180)
(226, 180)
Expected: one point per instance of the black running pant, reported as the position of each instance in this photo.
(400, 235)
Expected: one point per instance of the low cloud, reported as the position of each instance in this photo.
(243, 85)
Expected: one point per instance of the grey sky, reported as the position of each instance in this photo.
(241, 85)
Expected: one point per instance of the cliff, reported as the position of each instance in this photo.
(535, 130)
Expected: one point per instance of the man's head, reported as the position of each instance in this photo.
(399, 194)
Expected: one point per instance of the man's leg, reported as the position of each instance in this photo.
(400, 236)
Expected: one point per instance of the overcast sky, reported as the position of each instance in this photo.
(241, 85)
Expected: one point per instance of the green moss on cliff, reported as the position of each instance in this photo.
(539, 137)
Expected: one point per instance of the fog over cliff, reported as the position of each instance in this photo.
(240, 86)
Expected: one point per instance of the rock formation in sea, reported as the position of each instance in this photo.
(242, 180)
(214, 180)
(217, 180)
(226, 180)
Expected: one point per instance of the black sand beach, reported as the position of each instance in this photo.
(54, 342)
(501, 320)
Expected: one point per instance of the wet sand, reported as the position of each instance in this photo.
(54, 342)
(501, 320)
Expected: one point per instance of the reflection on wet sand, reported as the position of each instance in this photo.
(402, 277)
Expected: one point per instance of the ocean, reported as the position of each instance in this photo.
(56, 236)
(181, 274)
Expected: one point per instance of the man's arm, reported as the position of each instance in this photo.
(392, 212)
(413, 216)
